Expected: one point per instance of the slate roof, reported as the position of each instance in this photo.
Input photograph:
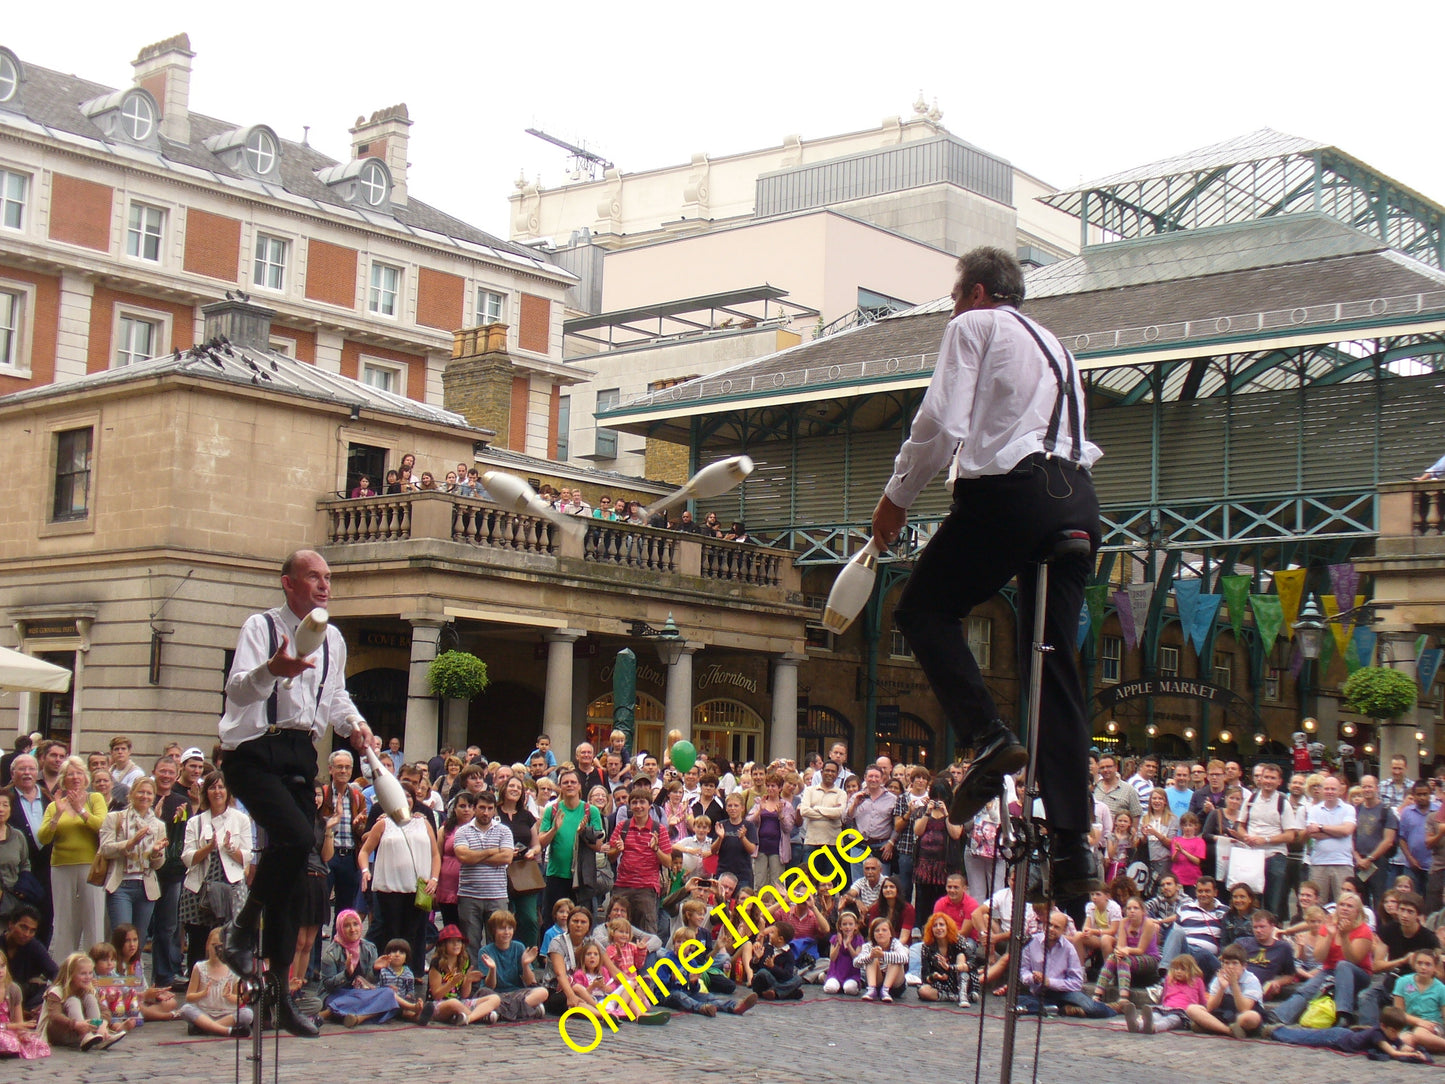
(50, 102)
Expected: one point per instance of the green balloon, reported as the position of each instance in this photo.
(684, 756)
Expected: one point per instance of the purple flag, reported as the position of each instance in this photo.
(1126, 618)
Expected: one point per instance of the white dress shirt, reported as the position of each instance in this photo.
(988, 406)
(250, 684)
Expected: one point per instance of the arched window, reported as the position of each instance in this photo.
(260, 152)
(137, 117)
(372, 181)
(728, 728)
(648, 715)
(912, 744)
(824, 727)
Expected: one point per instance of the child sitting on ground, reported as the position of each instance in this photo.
(775, 965)
(622, 950)
(1183, 988)
(212, 1007)
(883, 961)
(1421, 997)
(119, 996)
(1390, 1037)
(392, 973)
(693, 916)
(70, 1015)
(685, 991)
(17, 1037)
(451, 981)
(591, 975)
(843, 975)
(157, 1003)
(510, 973)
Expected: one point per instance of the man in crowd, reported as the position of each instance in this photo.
(871, 812)
(1331, 825)
(1376, 829)
(1395, 791)
(1413, 855)
(28, 800)
(1116, 794)
(1144, 779)
(866, 889)
(587, 767)
(1270, 828)
(122, 769)
(29, 964)
(484, 847)
(173, 807)
(1179, 792)
(1268, 956)
(346, 800)
(561, 830)
(838, 754)
(1052, 974)
(1198, 926)
(1209, 797)
(640, 849)
(51, 755)
(821, 810)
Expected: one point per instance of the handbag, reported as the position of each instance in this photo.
(1319, 1013)
(99, 870)
(424, 901)
(525, 875)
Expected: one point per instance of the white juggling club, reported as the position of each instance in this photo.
(852, 588)
(713, 480)
(310, 635)
(393, 799)
(511, 492)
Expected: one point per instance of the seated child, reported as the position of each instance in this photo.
(1390, 1037)
(883, 961)
(775, 966)
(157, 1003)
(212, 1007)
(393, 974)
(509, 970)
(1183, 990)
(843, 975)
(1421, 997)
(622, 950)
(451, 981)
(17, 1037)
(693, 918)
(684, 989)
(1234, 1000)
(593, 977)
(119, 995)
(70, 1015)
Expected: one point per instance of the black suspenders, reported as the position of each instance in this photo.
(275, 642)
(1064, 376)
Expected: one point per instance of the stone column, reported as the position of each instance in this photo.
(454, 723)
(784, 740)
(420, 740)
(678, 711)
(557, 702)
(77, 690)
(77, 293)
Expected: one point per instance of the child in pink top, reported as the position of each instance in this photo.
(1183, 986)
(1186, 852)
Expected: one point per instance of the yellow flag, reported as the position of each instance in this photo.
(1290, 585)
(1338, 629)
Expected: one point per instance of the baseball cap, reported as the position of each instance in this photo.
(192, 754)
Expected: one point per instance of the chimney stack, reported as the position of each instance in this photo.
(240, 322)
(164, 69)
(385, 136)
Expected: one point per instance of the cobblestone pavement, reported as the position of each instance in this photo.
(821, 1039)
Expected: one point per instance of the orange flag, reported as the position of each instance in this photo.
(1290, 585)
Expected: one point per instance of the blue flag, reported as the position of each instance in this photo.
(1204, 613)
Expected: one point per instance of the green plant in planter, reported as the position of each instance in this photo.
(457, 675)
(1380, 692)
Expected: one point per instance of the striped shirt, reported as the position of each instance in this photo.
(480, 881)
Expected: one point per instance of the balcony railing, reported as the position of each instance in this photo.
(489, 527)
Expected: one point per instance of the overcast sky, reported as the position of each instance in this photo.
(1068, 92)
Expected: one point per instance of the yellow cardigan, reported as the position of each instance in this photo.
(76, 838)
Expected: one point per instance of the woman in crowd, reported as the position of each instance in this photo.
(981, 861)
(393, 484)
(14, 859)
(216, 854)
(945, 964)
(773, 819)
(103, 783)
(932, 831)
(1157, 828)
(513, 812)
(1131, 956)
(72, 826)
(1239, 920)
(396, 861)
(891, 905)
(1219, 829)
(316, 899)
(449, 877)
(134, 840)
(736, 843)
(362, 488)
(564, 957)
(348, 974)
(883, 961)
(451, 768)
(428, 481)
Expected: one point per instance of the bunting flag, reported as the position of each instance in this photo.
(1352, 658)
(1083, 633)
(1340, 630)
(1203, 624)
(1267, 619)
(1420, 642)
(1289, 585)
(1363, 641)
(1186, 600)
(1236, 594)
(1094, 598)
(1126, 619)
(1344, 579)
(1426, 667)
(1141, 595)
(1296, 661)
(1327, 655)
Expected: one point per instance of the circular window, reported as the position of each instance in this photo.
(260, 152)
(372, 180)
(137, 117)
(9, 78)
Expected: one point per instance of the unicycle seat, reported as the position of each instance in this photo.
(1068, 543)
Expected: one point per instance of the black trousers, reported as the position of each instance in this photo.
(273, 776)
(997, 528)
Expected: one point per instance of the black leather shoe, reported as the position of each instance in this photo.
(238, 948)
(997, 754)
(294, 1020)
(1075, 866)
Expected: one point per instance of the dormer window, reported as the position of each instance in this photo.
(363, 182)
(130, 115)
(254, 150)
(9, 75)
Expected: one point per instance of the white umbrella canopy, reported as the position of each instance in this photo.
(25, 673)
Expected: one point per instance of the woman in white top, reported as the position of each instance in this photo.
(396, 860)
(134, 839)
(216, 854)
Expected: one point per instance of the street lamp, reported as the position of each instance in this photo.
(1311, 628)
(667, 639)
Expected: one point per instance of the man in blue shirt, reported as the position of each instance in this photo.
(1179, 792)
(1413, 856)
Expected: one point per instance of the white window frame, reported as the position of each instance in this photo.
(134, 109)
(20, 332)
(1273, 683)
(1111, 659)
(980, 640)
(9, 177)
(371, 183)
(1223, 665)
(898, 647)
(376, 292)
(486, 295)
(260, 152)
(9, 78)
(564, 427)
(263, 264)
(396, 371)
(1169, 662)
(138, 231)
(160, 320)
(283, 346)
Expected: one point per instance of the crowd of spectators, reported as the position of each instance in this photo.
(1233, 906)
